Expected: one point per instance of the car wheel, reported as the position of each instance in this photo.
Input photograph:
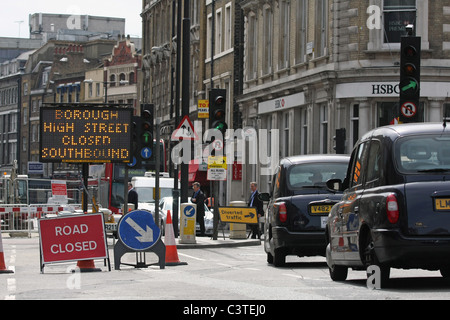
(370, 259)
(337, 273)
(279, 258)
(269, 258)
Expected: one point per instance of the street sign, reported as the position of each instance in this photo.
(409, 109)
(85, 134)
(138, 230)
(217, 169)
(238, 215)
(73, 238)
(203, 109)
(146, 153)
(185, 131)
(188, 223)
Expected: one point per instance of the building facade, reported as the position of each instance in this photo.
(312, 67)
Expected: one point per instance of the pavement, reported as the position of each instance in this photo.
(208, 242)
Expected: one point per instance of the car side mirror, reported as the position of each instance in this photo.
(265, 197)
(335, 185)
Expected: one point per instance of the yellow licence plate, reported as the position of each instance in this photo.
(442, 204)
(321, 209)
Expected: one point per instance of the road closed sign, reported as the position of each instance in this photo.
(72, 238)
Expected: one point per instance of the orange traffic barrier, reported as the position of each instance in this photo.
(171, 247)
(3, 268)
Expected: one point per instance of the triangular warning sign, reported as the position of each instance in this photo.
(185, 131)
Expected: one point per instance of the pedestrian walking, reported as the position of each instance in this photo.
(254, 202)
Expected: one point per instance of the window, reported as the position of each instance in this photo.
(374, 163)
(208, 37)
(218, 32)
(283, 50)
(112, 80)
(268, 40)
(321, 28)
(305, 131)
(287, 130)
(397, 14)
(324, 129)
(122, 79)
(355, 123)
(300, 40)
(228, 27)
(252, 47)
(357, 169)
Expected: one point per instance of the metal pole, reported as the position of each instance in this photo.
(185, 91)
(158, 164)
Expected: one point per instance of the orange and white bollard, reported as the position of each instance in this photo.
(3, 268)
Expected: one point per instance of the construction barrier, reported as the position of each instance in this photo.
(20, 218)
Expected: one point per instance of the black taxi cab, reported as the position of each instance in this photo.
(300, 201)
(395, 209)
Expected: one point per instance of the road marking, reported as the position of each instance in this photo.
(188, 256)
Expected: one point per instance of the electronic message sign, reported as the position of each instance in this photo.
(88, 134)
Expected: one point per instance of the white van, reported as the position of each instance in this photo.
(145, 188)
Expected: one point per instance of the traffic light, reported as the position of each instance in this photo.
(147, 125)
(217, 110)
(410, 79)
(146, 132)
(136, 146)
(339, 140)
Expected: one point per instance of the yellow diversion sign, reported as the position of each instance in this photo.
(238, 215)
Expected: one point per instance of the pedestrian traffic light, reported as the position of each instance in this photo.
(339, 141)
(217, 110)
(410, 79)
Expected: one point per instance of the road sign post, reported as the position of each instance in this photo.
(138, 232)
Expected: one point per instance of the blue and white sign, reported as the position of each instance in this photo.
(146, 153)
(189, 211)
(138, 230)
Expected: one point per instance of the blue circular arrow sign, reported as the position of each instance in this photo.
(189, 211)
(138, 231)
(146, 153)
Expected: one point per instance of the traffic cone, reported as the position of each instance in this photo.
(3, 268)
(171, 247)
(87, 266)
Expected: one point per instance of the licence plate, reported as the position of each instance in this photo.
(320, 209)
(110, 226)
(442, 204)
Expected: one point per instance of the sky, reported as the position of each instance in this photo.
(14, 11)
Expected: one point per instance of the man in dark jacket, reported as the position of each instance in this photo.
(132, 196)
(255, 203)
(199, 199)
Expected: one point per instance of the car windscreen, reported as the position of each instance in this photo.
(314, 174)
(423, 154)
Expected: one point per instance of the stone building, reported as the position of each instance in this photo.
(312, 67)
